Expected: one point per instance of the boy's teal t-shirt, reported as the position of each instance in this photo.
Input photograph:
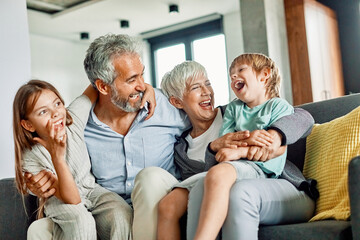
(239, 117)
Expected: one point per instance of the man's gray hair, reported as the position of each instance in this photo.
(98, 62)
(173, 84)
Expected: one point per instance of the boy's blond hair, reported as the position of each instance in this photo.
(258, 62)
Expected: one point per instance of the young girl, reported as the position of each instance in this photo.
(255, 80)
(49, 136)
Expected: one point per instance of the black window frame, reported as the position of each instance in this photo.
(185, 36)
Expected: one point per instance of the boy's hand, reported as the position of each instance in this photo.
(267, 152)
(149, 96)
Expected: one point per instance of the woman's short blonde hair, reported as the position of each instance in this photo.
(173, 84)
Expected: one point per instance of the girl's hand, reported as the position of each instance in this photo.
(56, 142)
(260, 138)
(66, 189)
(149, 96)
(230, 140)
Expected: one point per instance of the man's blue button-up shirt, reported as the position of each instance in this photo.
(116, 159)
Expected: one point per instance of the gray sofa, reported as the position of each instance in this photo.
(14, 221)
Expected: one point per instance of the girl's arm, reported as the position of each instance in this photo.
(66, 189)
(91, 93)
(149, 96)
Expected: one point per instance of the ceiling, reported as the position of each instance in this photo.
(71, 17)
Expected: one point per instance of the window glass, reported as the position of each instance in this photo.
(167, 58)
(211, 53)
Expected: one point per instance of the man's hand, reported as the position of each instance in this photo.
(42, 184)
(230, 140)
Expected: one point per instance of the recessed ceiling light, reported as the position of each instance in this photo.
(124, 23)
(84, 35)
(173, 9)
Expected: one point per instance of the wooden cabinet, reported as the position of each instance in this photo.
(314, 51)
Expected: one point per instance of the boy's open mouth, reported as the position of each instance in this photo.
(239, 85)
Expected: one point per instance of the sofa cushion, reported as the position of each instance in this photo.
(322, 111)
(319, 230)
(329, 149)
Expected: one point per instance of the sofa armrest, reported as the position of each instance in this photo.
(354, 192)
(14, 221)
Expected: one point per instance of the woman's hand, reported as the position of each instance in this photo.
(149, 96)
(259, 138)
(230, 140)
(230, 154)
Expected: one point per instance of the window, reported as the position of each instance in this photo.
(204, 43)
(166, 58)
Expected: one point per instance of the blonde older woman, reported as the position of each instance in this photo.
(188, 88)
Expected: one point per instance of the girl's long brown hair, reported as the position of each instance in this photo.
(24, 102)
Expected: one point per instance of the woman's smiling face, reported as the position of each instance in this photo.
(198, 99)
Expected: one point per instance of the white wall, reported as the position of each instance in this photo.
(277, 43)
(15, 70)
(234, 39)
(59, 62)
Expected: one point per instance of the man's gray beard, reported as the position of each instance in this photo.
(123, 103)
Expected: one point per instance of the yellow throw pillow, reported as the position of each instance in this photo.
(329, 149)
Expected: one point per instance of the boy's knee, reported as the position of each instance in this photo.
(218, 174)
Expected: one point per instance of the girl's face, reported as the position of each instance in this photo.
(249, 86)
(198, 100)
(49, 114)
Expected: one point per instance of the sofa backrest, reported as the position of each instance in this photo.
(323, 111)
(14, 221)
